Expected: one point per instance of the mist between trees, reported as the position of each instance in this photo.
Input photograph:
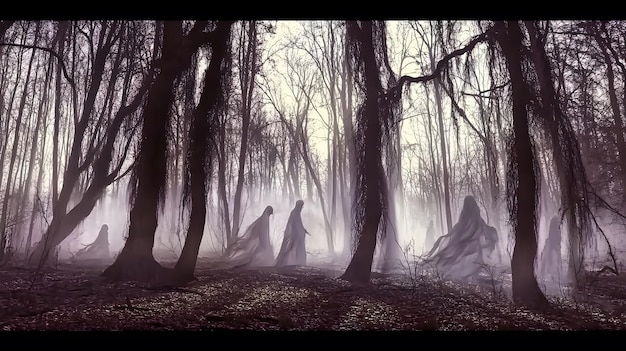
(177, 135)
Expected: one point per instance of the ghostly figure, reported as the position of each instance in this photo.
(430, 236)
(292, 251)
(471, 244)
(253, 248)
(551, 254)
(99, 248)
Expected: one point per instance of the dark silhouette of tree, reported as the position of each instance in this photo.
(4, 237)
(99, 155)
(522, 171)
(248, 58)
(136, 261)
(367, 39)
(545, 96)
(202, 145)
(573, 184)
(536, 99)
(62, 30)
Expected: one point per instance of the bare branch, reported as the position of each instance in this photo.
(111, 177)
(442, 63)
(50, 51)
(480, 94)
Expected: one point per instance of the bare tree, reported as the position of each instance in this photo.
(99, 155)
(18, 126)
(202, 143)
(247, 73)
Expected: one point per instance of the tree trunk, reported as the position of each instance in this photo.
(293, 168)
(304, 151)
(61, 227)
(369, 178)
(9, 108)
(136, 261)
(346, 106)
(435, 173)
(248, 62)
(36, 196)
(16, 140)
(43, 104)
(522, 174)
(572, 178)
(221, 183)
(444, 153)
(61, 33)
(202, 150)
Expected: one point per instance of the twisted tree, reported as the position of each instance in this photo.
(374, 117)
(202, 147)
(136, 261)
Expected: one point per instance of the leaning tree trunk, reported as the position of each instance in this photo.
(201, 153)
(63, 224)
(522, 177)
(73, 166)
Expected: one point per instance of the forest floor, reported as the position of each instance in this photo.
(76, 297)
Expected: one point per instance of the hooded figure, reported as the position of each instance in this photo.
(99, 248)
(253, 248)
(551, 254)
(292, 251)
(470, 244)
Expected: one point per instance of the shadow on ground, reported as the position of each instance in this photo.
(75, 297)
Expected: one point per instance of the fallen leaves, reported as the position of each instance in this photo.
(297, 298)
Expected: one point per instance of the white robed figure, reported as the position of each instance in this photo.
(98, 249)
(467, 248)
(292, 251)
(253, 248)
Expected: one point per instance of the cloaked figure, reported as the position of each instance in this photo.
(292, 251)
(471, 244)
(98, 249)
(253, 248)
(430, 236)
(551, 254)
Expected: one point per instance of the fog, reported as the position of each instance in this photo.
(411, 232)
(289, 87)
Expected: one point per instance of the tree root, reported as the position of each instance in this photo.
(145, 270)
